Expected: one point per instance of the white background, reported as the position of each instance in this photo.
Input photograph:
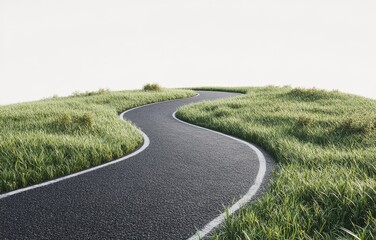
(56, 47)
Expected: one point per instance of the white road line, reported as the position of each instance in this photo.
(246, 198)
(142, 148)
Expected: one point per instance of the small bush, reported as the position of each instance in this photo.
(152, 87)
(356, 126)
(304, 121)
(86, 120)
(66, 120)
(92, 93)
(103, 91)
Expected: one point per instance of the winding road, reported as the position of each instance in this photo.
(171, 189)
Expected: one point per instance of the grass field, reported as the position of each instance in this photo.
(325, 144)
(46, 139)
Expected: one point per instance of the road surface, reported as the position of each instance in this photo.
(177, 185)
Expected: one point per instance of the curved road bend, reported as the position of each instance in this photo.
(177, 185)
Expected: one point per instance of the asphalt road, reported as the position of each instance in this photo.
(175, 186)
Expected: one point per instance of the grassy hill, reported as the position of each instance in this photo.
(325, 144)
(54, 137)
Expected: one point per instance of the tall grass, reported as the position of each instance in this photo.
(54, 137)
(325, 144)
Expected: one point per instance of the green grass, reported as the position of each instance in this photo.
(325, 144)
(54, 137)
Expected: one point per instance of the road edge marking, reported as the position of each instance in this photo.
(246, 198)
(146, 142)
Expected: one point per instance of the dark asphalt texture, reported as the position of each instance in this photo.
(177, 185)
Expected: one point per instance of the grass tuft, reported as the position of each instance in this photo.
(101, 91)
(356, 125)
(304, 121)
(86, 120)
(152, 87)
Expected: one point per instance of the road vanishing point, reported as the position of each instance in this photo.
(169, 189)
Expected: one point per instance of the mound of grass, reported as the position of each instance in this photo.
(324, 142)
(152, 87)
(54, 137)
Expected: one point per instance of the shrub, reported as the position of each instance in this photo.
(66, 120)
(152, 87)
(92, 93)
(86, 120)
(103, 91)
(71, 123)
(304, 121)
(355, 125)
